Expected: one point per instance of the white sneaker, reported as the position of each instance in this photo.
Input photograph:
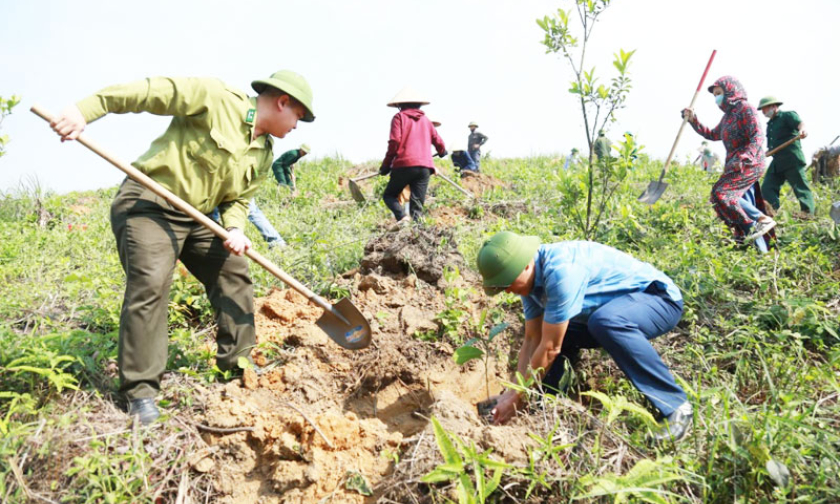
(761, 229)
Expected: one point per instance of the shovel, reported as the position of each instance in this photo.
(355, 190)
(656, 188)
(342, 322)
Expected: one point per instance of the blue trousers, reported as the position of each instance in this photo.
(747, 202)
(260, 221)
(476, 157)
(463, 160)
(623, 327)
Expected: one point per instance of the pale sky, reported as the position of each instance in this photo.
(476, 60)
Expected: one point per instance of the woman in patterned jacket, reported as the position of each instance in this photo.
(743, 139)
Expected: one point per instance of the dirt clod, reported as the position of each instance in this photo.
(423, 251)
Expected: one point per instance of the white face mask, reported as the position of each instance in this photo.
(769, 113)
(719, 99)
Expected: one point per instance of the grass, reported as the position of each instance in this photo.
(757, 347)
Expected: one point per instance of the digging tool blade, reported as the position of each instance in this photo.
(653, 192)
(352, 333)
(835, 212)
(356, 191)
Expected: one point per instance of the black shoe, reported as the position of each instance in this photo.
(144, 409)
(675, 426)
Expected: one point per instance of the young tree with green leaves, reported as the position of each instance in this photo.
(598, 101)
(6, 106)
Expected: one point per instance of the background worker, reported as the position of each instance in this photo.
(194, 160)
(474, 143)
(409, 156)
(462, 160)
(788, 164)
(572, 158)
(741, 134)
(705, 156)
(602, 145)
(579, 294)
(284, 167)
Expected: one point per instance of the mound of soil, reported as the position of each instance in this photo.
(321, 416)
(478, 183)
(422, 251)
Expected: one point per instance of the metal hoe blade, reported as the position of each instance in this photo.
(356, 192)
(353, 336)
(835, 212)
(653, 192)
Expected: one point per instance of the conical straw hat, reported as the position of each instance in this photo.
(407, 95)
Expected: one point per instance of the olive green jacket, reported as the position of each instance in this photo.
(207, 156)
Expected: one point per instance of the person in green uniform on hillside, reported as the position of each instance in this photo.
(284, 166)
(215, 153)
(789, 164)
(602, 145)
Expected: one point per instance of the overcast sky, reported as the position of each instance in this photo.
(476, 60)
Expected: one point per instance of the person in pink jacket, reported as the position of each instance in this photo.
(409, 156)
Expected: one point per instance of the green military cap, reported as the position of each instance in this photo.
(472, 123)
(291, 83)
(767, 101)
(601, 133)
(503, 257)
(305, 148)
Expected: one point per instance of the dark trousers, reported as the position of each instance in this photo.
(623, 327)
(794, 175)
(151, 235)
(417, 179)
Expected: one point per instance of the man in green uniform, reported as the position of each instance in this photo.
(788, 164)
(283, 167)
(602, 145)
(215, 153)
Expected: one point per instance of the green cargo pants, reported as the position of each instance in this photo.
(151, 235)
(794, 175)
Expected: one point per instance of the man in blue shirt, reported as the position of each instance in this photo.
(579, 294)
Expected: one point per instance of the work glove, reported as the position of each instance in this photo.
(384, 170)
(443, 155)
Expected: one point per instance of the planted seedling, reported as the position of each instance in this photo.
(478, 347)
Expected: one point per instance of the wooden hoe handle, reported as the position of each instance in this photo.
(685, 120)
(777, 149)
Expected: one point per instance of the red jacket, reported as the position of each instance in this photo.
(412, 135)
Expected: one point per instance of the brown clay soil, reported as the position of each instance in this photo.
(479, 183)
(372, 405)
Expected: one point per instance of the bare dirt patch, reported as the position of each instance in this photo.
(370, 405)
(479, 183)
